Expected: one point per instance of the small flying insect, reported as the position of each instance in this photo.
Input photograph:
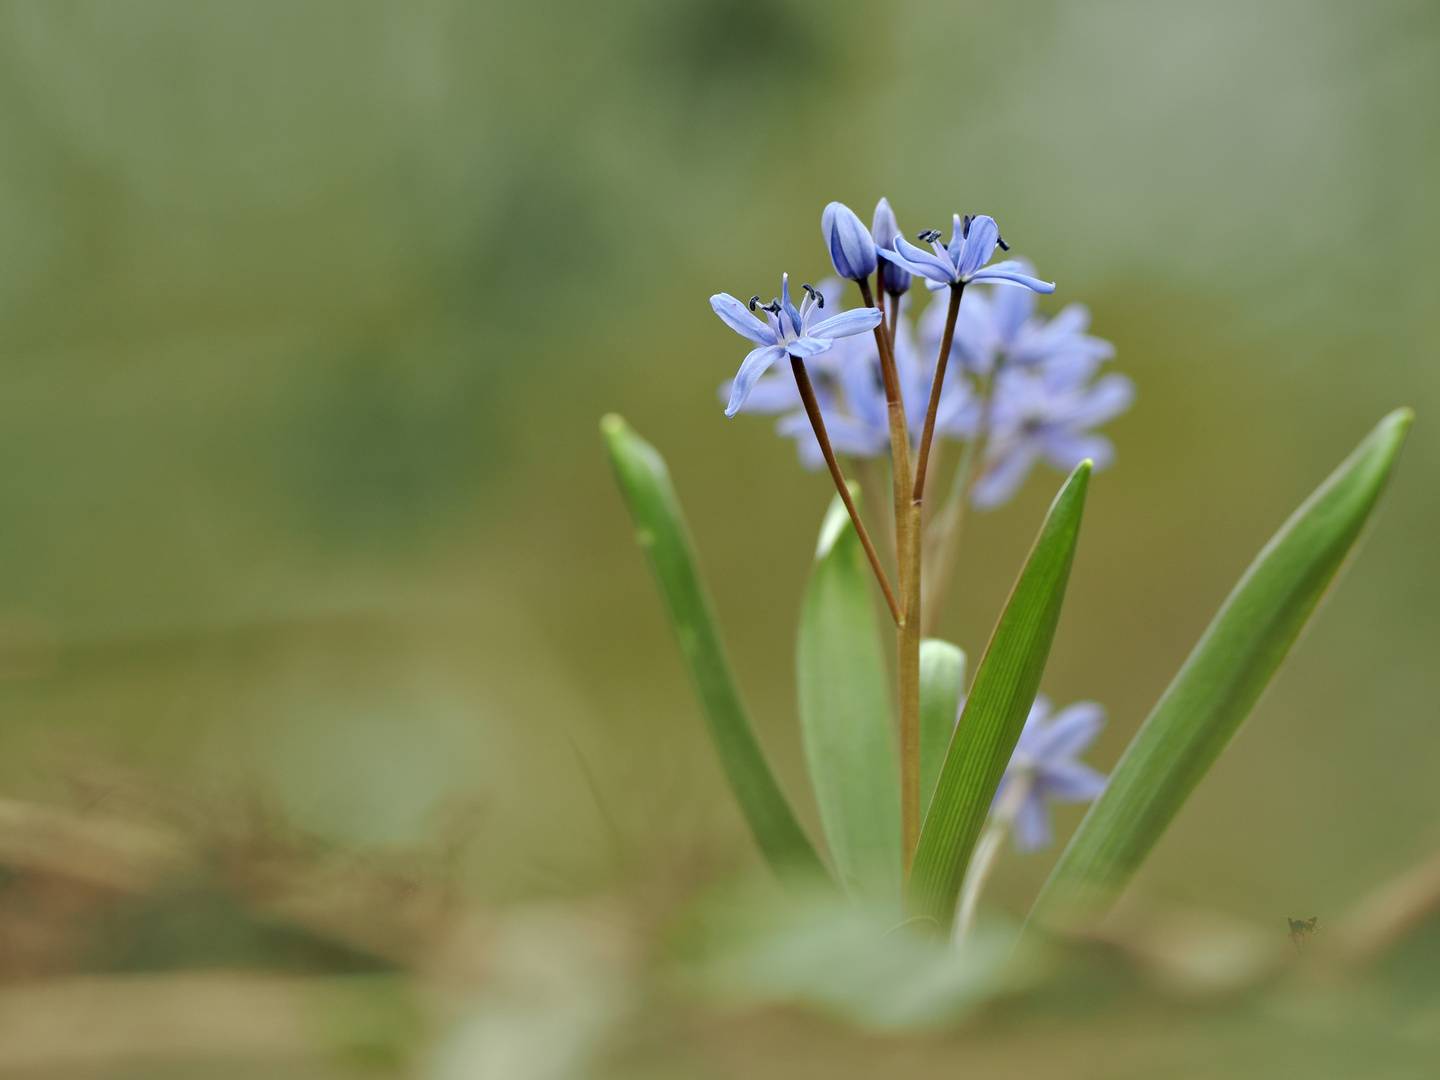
(1301, 929)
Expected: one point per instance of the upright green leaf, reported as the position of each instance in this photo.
(845, 715)
(1219, 683)
(661, 532)
(1000, 697)
(942, 678)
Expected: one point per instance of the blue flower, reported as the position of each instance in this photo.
(851, 249)
(1033, 417)
(786, 331)
(1043, 770)
(851, 395)
(894, 278)
(963, 261)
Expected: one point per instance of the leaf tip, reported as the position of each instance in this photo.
(836, 518)
(1076, 484)
(1399, 420)
(612, 425)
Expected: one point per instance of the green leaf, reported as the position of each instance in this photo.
(661, 532)
(1219, 683)
(995, 710)
(845, 716)
(942, 677)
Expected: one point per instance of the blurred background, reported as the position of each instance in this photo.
(311, 567)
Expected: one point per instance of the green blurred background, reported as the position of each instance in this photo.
(308, 312)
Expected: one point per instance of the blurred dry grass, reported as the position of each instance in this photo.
(134, 945)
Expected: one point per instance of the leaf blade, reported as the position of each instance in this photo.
(660, 530)
(1220, 682)
(844, 700)
(999, 700)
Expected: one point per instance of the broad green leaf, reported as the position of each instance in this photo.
(942, 677)
(845, 716)
(1219, 683)
(995, 710)
(661, 532)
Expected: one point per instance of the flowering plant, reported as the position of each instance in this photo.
(917, 786)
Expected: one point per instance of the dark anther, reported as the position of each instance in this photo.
(965, 227)
(773, 306)
(929, 235)
(1001, 241)
(819, 300)
(754, 300)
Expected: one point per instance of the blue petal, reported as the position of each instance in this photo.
(1071, 732)
(791, 312)
(1003, 476)
(856, 439)
(1033, 830)
(1010, 310)
(1072, 319)
(920, 262)
(885, 228)
(770, 396)
(1004, 274)
(1110, 396)
(1032, 735)
(956, 248)
(1066, 449)
(855, 321)
(754, 365)
(737, 316)
(852, 251)
(1071, 781)
(810, 345)
(978, 247)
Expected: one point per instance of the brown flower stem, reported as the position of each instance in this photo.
(812, 409)
(907, 568)
(872, 487)
(942, 542)
(928, 433)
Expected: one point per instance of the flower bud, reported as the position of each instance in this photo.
(851, 249)
(893, 277)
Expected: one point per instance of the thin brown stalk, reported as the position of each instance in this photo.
(907, 560)
(928, 433)
(872, 487)
(942, 544)
(817, 421)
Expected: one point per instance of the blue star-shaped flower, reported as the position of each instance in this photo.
(851, 394)
(788, 330)
(963, 261)
(1043, 769)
